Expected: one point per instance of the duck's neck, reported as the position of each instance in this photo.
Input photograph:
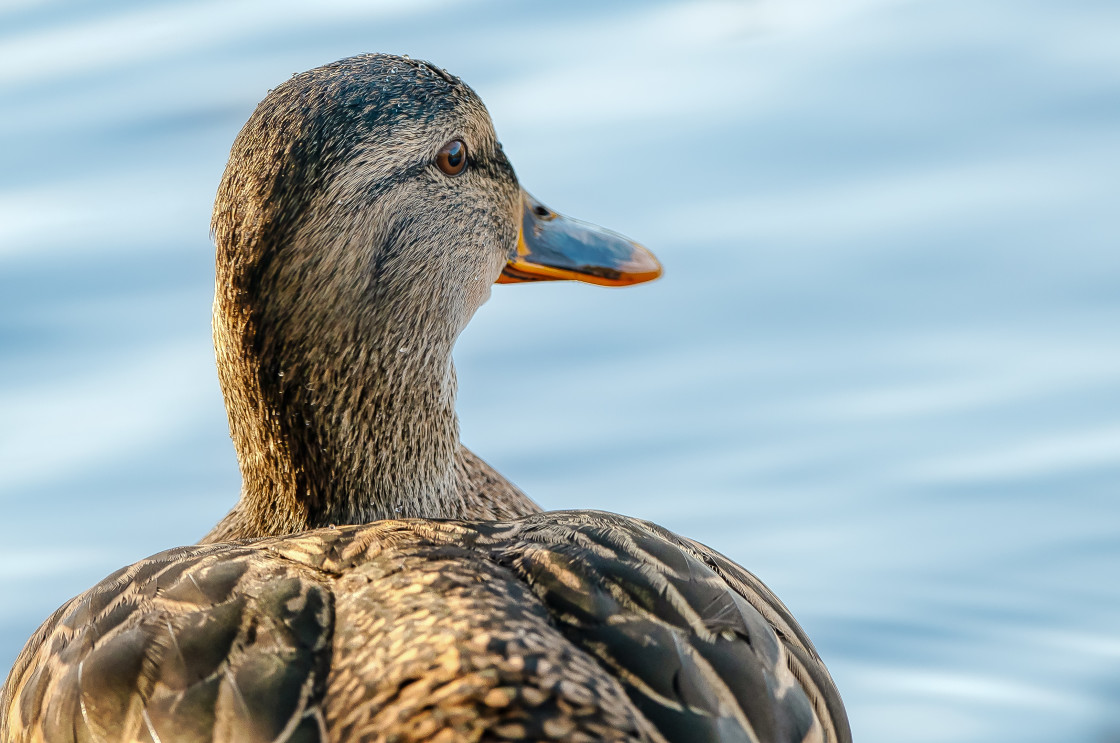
(340, 432)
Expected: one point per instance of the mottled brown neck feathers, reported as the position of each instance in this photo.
(343, 278)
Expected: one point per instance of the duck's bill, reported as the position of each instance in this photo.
(552, 247)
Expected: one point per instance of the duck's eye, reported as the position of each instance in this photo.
(452, 157)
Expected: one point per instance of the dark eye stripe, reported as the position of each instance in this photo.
(452, 157)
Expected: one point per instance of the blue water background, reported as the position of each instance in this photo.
(882, 369)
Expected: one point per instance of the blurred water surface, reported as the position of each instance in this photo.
(881, 370)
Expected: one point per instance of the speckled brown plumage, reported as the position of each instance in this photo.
(347, 265)
(564, 626)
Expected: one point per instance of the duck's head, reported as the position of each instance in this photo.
(365, 213)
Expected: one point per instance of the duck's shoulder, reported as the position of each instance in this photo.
(193, 643)
(704, 649)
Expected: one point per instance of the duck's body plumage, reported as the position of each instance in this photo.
(577, 625)
(450, 609)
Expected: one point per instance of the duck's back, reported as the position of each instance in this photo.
(558, 626)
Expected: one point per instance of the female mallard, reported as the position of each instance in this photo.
(365, 212)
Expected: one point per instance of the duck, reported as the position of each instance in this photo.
(376, 580)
